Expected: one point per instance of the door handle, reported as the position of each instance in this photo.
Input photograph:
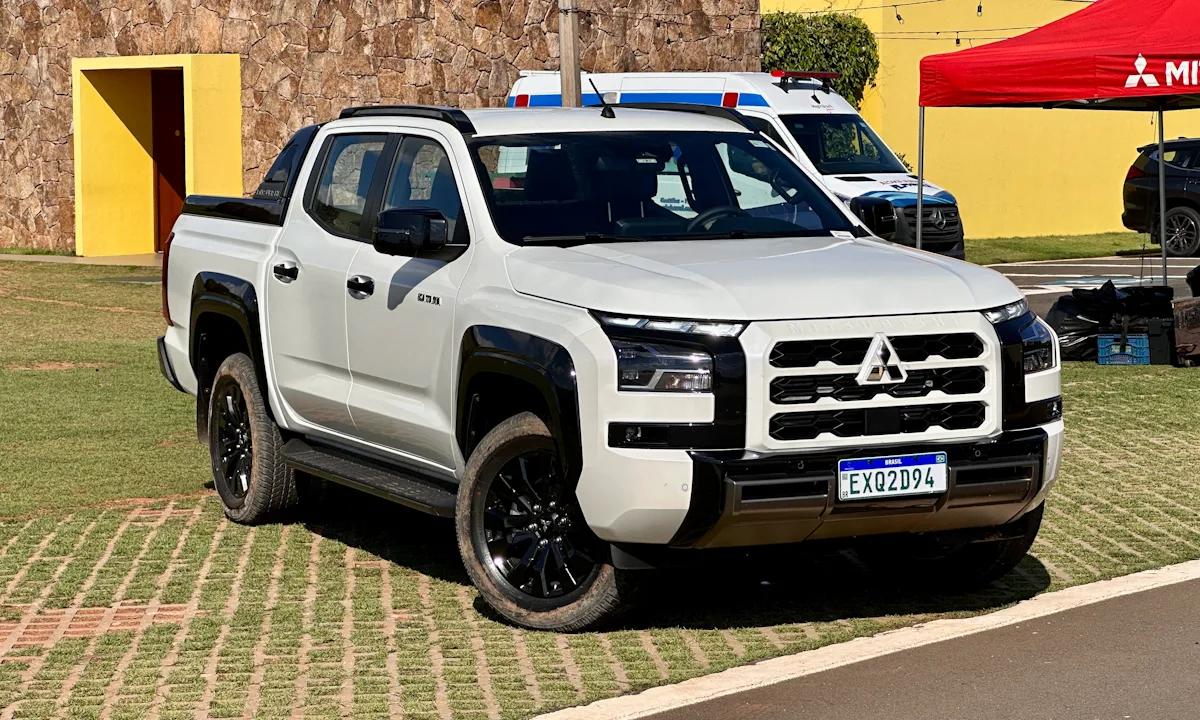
(285, 272)
(360, 286)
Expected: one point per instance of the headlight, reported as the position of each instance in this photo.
(694, 327)
(646, 366)
(1004, 313)
(1037, 347)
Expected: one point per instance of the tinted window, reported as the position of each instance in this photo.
(422, 180)
(341, 191)
(281, 178)
(841, 144)
(648, 185)
(1179, 157)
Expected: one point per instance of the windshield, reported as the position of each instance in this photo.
(841, 144)
(600, 186)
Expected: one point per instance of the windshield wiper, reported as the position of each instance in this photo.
(572, 240)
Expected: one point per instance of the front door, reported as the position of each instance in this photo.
(400, 335)
(306, 281)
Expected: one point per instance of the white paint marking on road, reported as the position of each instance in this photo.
(1122, 266)
(1183, 262)
(1041, 291)
(1114, 276)
(790, 667)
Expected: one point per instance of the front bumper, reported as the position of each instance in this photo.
(741, 501)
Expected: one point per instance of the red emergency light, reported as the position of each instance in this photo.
(805, 74)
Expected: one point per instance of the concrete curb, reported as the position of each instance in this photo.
(769, 672)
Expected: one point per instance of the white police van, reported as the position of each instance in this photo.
(800, 112)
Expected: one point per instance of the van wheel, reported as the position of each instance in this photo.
(933, 561)
(523, 539)
(1183, 232)
(244, 444)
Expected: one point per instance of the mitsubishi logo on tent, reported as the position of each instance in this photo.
(1141, 76)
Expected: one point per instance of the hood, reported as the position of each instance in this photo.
(900, 188)
(763, 279)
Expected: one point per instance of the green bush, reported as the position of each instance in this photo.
(826, 42)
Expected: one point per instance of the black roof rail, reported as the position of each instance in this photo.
(454, 116)
(710, 110)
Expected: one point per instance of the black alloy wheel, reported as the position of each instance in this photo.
(235, 443)
(1183, 232)
(534, 532)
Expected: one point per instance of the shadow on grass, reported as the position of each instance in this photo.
(815, 582)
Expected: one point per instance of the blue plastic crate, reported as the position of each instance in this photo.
(1135, 351)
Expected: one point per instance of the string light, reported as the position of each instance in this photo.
(957, 39)
(979, 10)
(898, 18)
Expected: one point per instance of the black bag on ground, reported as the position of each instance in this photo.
(1079, 318)
(1193, 280)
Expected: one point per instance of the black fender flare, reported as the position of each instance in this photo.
(234, 298)
(542, 363)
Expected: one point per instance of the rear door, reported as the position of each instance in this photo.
(402, 350)
(306, 279)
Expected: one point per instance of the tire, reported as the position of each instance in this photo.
(1183, 232)
(934, 561)
(512, 472)
(253, 483)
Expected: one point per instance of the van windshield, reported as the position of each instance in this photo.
(579, 187)
(840, 144)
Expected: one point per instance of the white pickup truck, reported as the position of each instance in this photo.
(484, 315)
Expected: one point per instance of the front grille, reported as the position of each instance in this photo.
(852, 351)
(878, 421)
(950, 222)
(800, 389)
(811, 398)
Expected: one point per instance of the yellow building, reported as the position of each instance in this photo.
(1015, 172)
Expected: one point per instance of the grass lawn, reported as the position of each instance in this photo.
(161, 608)
(1056, 247)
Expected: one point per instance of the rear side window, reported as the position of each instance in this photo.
(277, 184)
(1179, 157)
(340, 193)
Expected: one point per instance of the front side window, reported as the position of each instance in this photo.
(648, 186)
(340, 196)
(423, 182)
(840, 144)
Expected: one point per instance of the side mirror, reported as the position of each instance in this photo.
(410, 232)
(877, 214)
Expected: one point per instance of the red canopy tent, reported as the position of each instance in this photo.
(1111, 55)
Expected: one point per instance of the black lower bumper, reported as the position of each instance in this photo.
(164, 365)
(739, 501)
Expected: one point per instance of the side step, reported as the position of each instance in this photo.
(382, 481)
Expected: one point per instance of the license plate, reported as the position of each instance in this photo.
(882, 477)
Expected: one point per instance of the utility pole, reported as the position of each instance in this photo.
(568, 53)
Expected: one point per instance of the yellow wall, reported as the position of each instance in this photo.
(1015, 172)
(114, 170)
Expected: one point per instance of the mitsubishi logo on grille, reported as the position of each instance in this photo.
(938, 218)
(882, 364)
(1142, 76)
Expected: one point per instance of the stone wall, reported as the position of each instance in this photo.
(304, 60)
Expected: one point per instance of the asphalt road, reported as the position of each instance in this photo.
(1136, 657)
(1044, 281)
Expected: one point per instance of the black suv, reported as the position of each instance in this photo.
(1183, 195)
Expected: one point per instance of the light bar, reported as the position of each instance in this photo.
(805, 74)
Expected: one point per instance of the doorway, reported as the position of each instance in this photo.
(166, 113)
(149, 130)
